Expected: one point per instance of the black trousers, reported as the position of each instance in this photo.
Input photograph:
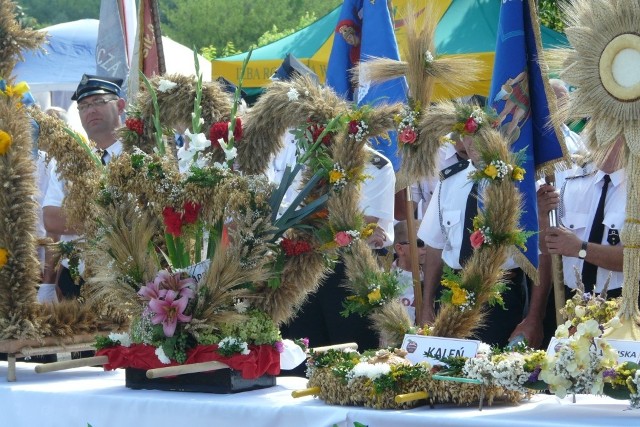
(319, 319)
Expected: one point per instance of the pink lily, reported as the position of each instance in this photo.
(151, 291)
(169, 312)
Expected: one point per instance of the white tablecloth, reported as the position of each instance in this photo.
(83, 396)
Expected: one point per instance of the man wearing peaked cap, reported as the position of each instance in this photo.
(95, 85)
(100, 108)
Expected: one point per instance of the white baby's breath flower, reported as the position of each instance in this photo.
(161, 356)
(166, 85)
(123, 338)
(293, 94)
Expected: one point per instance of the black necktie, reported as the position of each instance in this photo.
(590, 271)
(469, 213)
(103, 156)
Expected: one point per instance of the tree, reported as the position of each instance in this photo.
(50, 12)
(550, 13)
(215, 23)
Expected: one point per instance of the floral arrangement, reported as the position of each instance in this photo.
(515, 369)
(578, 364)
(357, 126)
(407, 123)
(623, 381)
(462, 294)
(380, 288)
(471, 118)
(584, 306)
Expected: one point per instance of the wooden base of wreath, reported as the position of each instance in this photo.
(26, 348)
(222, 381)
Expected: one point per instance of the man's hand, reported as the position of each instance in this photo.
(377, 239)
(548, 199)
(531, 330)
(561, 241)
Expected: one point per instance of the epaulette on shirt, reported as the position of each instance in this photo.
(453, 169)
(378, 161)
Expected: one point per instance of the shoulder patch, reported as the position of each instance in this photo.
(378, 161)
(453, 169)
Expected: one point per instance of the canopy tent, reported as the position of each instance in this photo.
(71, 52)
(465, 27)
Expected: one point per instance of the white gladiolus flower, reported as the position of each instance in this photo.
(124, 338)
(161, 356)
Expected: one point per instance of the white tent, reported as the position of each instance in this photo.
(71, 51)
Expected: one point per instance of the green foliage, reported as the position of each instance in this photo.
(214, 24)
(274, 34)
(42, 13)
(550, 14)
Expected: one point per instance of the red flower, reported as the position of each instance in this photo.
(354, 127)
(136, 125)
(477, 239)
(237, 131)
(470, 125)
(220, 130)
(343, 238)
(172, 220)
(295, 247)
(191, 212)
(408, 136)
(316, 130)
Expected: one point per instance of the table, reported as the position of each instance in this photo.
(83, 396)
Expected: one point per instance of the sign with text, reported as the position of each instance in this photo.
(197, 271)
(422, 348)
(628, 351)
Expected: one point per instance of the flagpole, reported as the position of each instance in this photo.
(157, 34)
(413, 253)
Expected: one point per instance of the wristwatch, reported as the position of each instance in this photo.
(582, 253)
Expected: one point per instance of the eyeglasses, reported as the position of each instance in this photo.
(419, 243)
(97, 103)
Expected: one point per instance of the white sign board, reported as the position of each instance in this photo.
(197, 271)
(422, 348)
(628, 351)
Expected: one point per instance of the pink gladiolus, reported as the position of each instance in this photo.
(169, 311)
(343, 238)
(407, 136)
(477, 239)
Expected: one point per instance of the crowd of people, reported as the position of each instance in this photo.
(589, 200)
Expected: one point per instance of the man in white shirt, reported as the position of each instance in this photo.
(100, 107)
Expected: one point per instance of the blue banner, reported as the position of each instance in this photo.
(365, 29)
(519, 95)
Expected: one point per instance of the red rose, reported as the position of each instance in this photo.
(343, 238)
(191, 211)
(172, 220)
(477, 239)
(135, 125)
(353, 127)
(219, 130)
(408, 136)
(470, 126)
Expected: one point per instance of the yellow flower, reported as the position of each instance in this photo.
(491, 171)
(5, 142)
(4, 255)
(518, 173)
(374, 296)
(368, 230)
(448, 283)
(459, 296)
(335, 176)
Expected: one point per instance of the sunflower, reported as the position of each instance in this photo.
(603, 66)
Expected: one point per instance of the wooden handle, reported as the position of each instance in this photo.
(190, 368)
(306, 392)
(410, 397)
(351, 345)
(69, 364)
